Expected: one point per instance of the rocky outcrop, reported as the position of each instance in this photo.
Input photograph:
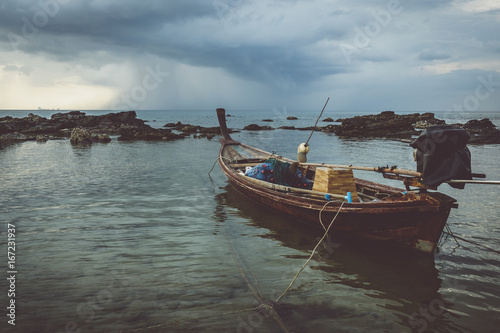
(255, 127)
(41, 138)
(198, 131)
(150, 134)
(100, 138)
(482, 131)
(80, 136)
(423, 124)
(81, 128)
(387, 124)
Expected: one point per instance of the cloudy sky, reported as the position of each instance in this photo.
(406, 55)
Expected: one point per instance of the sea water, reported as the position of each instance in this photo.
(138, 237)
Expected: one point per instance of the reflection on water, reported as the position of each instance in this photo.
(395, 281)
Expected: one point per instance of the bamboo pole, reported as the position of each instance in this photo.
(406, 173)
(484, 182)
(377, 169)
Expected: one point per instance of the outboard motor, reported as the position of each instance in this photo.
(442, 155)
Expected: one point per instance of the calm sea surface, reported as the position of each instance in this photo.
(136, 237)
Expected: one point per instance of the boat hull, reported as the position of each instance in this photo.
(415, 224)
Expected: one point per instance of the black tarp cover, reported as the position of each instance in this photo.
(442, 155)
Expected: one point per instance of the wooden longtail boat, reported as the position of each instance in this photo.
(413, 219)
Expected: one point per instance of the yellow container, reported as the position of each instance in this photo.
(335, 181)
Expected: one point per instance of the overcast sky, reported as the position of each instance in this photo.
(406, 55)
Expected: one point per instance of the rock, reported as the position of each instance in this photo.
(100, 138)
(268, 120)
(255, 127)
(148, 134)
(287, 127)
(61, 125)
(423, 124)
(189, 129)
(213, 130)
(35, 118)
(292, 118)
(386, 124)
(42, 138)
(328, 120)
(14, 136)
(80, 136)
(329, 128)
(482, 131)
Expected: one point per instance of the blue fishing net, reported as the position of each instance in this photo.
(278, 172)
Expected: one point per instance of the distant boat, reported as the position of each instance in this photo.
(380, 213)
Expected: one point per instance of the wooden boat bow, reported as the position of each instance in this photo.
(226, 138)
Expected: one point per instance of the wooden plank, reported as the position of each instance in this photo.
(376, 169)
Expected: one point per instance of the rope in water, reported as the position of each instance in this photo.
(471, 242)
(314, 250)
(213, 166)
(254, 290)
(263, 305)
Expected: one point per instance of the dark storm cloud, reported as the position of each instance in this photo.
(170, 29)
(287, 46)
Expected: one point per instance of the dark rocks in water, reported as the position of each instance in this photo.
(287, 127)
(482, 131)
(178, 125)
(328, 120)
(14, 136)
(80, 136)
(292, 118)
(187, 129)
(213, 130)
(86, 129)
(149, 134)
(329, 128)
(423, 124)
(268, 120)
(100, 138)
(255, 127)
(41, 138)
(386, 124)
